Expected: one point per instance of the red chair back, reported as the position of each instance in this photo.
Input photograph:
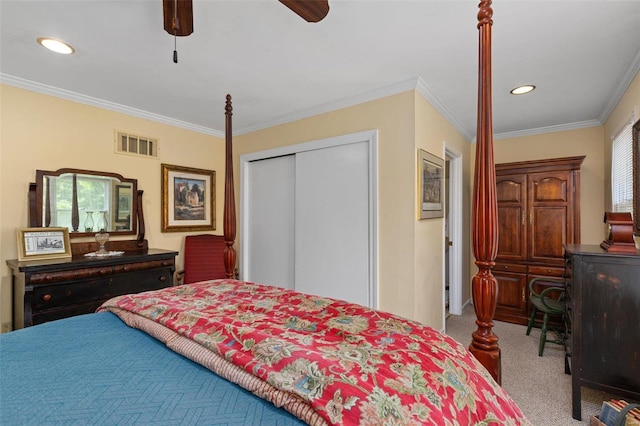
(203, 258)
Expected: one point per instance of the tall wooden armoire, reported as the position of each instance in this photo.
(538, 212)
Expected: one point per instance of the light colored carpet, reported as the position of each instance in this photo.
(537, 384)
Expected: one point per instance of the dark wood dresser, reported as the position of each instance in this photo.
(604, 316)
(48, 290)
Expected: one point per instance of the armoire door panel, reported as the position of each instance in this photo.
(511, 239)
(546, 188)
(512, 302)
(511, 189)
(511, 195)
(550, 202)
(549, 226)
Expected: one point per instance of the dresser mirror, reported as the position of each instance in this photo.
(85, 201)
(636, 176)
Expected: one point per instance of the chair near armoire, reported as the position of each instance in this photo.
(203, 259)
(549, 301)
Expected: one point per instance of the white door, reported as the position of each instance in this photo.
(332, 222)
(270, 218)
(311, 226)
(454, 227)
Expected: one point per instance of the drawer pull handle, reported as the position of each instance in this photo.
(506, 267)
(549, 270)
(103, 271)
(46, 297)
(125, 268)
(162, 278)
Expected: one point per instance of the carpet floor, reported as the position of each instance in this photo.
(537, 384)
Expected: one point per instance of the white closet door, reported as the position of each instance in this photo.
(270, 239)
(332, 222)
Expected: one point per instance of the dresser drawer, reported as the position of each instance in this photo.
(547, 271)
(96, 272)
(41, 317)
(517, 269)
(98, 289)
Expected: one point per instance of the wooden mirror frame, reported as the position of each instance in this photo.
(636, 176)
(37, 194)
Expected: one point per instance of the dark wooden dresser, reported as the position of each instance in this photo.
(604, 315)
(48, 290)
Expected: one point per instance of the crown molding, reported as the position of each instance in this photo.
(626, 80)
(547, 129)
(101, 103)
(382, 92)
(425, 91)
(415, 83)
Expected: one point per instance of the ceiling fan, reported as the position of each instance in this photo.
(178, 14)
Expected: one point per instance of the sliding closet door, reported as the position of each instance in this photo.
(270, 218)
(332, 222)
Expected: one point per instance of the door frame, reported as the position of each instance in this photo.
(368, 136)
(455, 230)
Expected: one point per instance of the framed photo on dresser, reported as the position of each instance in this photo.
(43, 243)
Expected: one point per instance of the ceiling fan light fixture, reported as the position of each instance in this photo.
(521, 90)
(55, 45)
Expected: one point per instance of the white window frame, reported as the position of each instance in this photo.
(622, 169)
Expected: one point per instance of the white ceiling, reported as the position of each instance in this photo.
(581, 54)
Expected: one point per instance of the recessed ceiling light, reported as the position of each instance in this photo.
(58, 46)
(521, 90)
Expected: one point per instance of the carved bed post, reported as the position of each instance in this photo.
(229, 225)
(484, 344)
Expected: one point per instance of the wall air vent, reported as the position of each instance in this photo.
(142, 146)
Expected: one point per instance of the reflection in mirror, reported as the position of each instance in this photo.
(86, 201)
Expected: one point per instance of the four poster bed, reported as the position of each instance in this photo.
(233, 352)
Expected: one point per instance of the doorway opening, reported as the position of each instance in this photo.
(452, 292)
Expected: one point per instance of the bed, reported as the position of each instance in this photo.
(234, 352)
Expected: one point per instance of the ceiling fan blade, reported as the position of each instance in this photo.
(184, 16)
(309, 10)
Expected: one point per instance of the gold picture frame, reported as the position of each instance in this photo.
(188, 199)
(43, 243)
(430, 185)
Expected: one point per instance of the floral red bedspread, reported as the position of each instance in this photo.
(353, 365)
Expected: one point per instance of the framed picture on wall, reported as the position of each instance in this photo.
(188, 199)
(43, 243)
(430, 185)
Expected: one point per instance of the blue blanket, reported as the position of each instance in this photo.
(93, 369)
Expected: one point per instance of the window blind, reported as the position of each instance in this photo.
(622, 171)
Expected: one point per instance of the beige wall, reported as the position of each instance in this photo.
(410, 251)
(44, 132)
(433, 133)
(627, 108)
